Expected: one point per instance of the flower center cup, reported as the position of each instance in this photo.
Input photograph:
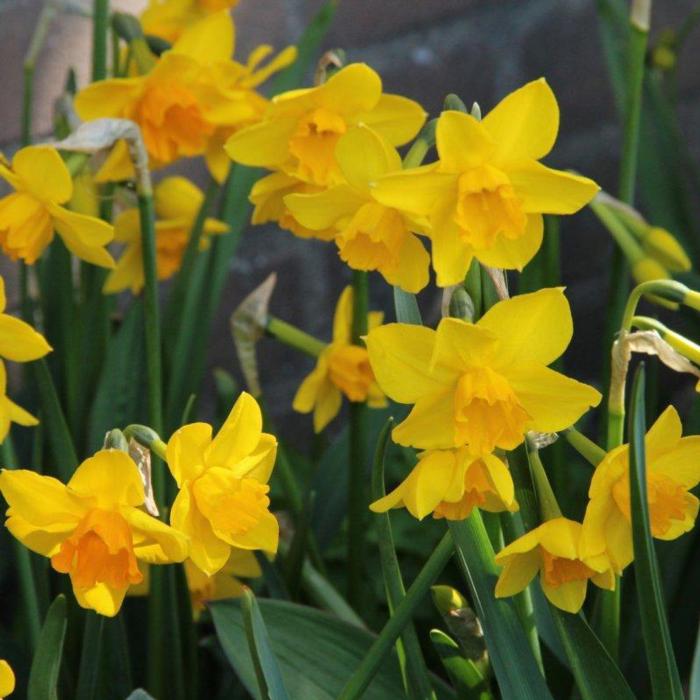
(478, 492)
(487, 412)
(559, 570)
(487, 207)
(313, 145)
(350, 371)
(667, 501)
(100, 550)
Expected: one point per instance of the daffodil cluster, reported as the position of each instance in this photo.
(98, 530)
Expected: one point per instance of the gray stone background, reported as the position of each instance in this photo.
(479, 49)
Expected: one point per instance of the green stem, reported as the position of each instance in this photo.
(100, 31)
(41, 31)
(357, 496)
(420, 147)
(618, 230)
(549, 508)
(294, 337)
(591, 452)
(386, 639)
(414, 670)
(27, 582)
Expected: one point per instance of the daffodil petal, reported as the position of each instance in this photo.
(43, 173)
(260, 462)
(451, 256)
(534, 327)
(107, 98)
(400, 355)
(560, 537)
(84, 236)
(101, 598)
(517, 573)
(177, 197)
(544, 190)
(430, 424)
(459, 344)
(462, 142)
(110, 477)
(327, 406)
(19, 342)
(363, 156)
(568, 596)
(664, 434)
(157, 542)
(396, 118)
(264, 144)
(322, 210)
(185, 452)
(351, 91)
(264, 536)
(239, 435)
(552, 400)
(415, 190)
(524, 124)
(682, 464)
(209, 40)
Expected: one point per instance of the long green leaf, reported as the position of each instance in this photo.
(597, 676)
(415, 671)
(665, 680)
(316, 652)
(91, 658)
(514, 664)
(694, 693)
(267, 671)
(465, 676)
(43, 676)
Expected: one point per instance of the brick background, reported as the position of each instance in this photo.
(480, 49)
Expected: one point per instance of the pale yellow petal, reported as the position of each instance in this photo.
(43, 173)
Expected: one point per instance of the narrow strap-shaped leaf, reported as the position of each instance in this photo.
(381, 647)
(415, 671)
(91, 657)
(406, 307)
(43, 676)
(514, 664)
(597, 676)
(665, 680)
(267, 669)
(464, 675)
(694, 690)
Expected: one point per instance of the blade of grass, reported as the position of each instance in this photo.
(267, 669)
(46, 664)
(515, 666)
(413, 665)
(665, 679)
(382, 645)
(91, 658)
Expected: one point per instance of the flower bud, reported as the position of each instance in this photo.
(649, 270)
(115, 440)
(663, 246)
(448, 599)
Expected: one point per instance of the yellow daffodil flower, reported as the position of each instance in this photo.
(486, 195)
(30, 215)
(93, 529)
(673, 468)
(168, 19)
(301, 128)
(342, 369)
(553, 549)
(369, 236)
(450, 483)
(484, 384)
(223, 501)
(177, 203)
(222, 585)
(194, 90)
(7, 679)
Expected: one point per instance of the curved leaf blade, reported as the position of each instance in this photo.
(43, 676)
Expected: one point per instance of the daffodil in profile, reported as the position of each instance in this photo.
(450, 484)
(31, 214)
(10, 412)
(301, 128)
(485, 196)
(93, 529)
(7, 679)
(482, 384)
(342, 369)
(223, 500)
(177, 203)
(369, 235)
(673, 469)
(553, 550)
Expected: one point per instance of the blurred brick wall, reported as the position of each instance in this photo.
(479, 49)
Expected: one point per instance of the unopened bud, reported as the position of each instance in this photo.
(453, 102)
(115, 440)
(147, 437)
(663, 246)
(461, 305)
(448, 599)
(649, 270)
(127, 26)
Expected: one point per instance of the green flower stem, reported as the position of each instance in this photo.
(414, 671)
(382, 645)
(294, 337)
(420, 147)
(41, 31)
(591, 452)
(357, 494)
(549, 508)
(100, 32)
(618, 230)
(667, 289)
(25, 573)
